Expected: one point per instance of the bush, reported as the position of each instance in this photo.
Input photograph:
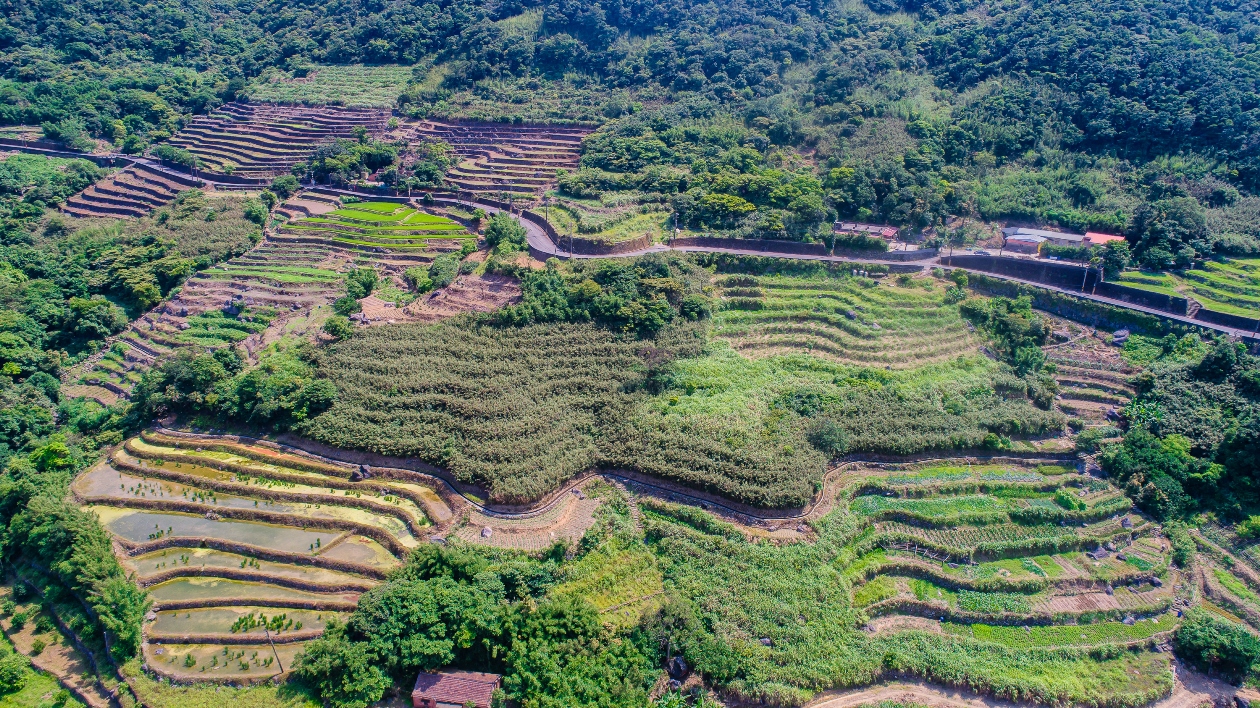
(285, 186)
(418, 278)
(346, 305)
(339, 327)
(443, 270)
(1213, 644)
(13, 673)
(696, 307)
(38, 646)
(256, 212)
(361, 282)
(503, 230)
(178, 156)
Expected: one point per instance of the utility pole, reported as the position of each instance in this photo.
(273, 648)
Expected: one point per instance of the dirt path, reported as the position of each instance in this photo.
(59, 659)
(1191, 690)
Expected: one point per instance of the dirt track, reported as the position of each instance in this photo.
(1192, 691)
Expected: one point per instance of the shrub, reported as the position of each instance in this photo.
(285, 186)
(256, 211)
(418, 278)
(695, 307)
(503, 230)
(178, 156)
(38, 646)
(1213, 644)
(346, 305)
(13, 673)
(339, 327)
(443, 270)
(361, 282)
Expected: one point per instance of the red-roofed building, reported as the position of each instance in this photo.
(1097, 239)
(454, 689)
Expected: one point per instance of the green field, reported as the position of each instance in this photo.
(849, 320)
(1225, 285)
(355, 85)
(378, 224)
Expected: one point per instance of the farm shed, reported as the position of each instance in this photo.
(1024, 244)
(850, 227)
(1055, 237)
(454, 689)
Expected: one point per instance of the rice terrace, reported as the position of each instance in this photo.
(599, 355)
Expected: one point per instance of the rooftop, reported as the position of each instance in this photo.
(1095, 237)
(1048, 235)
(454, 688)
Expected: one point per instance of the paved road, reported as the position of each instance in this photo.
(542, 247)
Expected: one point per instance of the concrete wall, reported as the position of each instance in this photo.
(1048, 272)
(1145, 298)
(762, 245)
(1225, 319)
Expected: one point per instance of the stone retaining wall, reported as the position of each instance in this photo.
(281, 603)
(227, 638)
(245, 575)
(134, 548)
(290, 497)
(257, 515)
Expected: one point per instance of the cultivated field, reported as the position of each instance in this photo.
(134, 191)
(355, 86)
(243, 547)
(378, 224)
(854, 320)
(504, 158)
(1229, 285)
(261, 140)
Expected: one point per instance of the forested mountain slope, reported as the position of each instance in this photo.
(1112, 116)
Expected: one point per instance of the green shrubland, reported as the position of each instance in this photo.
(1194, 430)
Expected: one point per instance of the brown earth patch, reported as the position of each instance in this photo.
(469, 293)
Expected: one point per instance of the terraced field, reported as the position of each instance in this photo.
(853, 320)
(248, 551)
(355, 86)
(378, 224)
(995, 552)
(131, 192)
(1230, 285)
(261, 140)
(277, 289)
(505, 158)
(1093, 378)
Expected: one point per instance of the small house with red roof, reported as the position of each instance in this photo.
(1093, 238)
(454, 689)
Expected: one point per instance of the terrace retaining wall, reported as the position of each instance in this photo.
(134, 548)
(1144, 298)
(1060, 275)
(381, 473)
(282, 603)
(267, 517)
(1228, 320)
(906, 606)
(201, 571)
(339, 470)
(913, 566)
(226, 638)
(272, 495)
(1074, 307)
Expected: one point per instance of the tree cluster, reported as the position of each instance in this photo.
(454, 606)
